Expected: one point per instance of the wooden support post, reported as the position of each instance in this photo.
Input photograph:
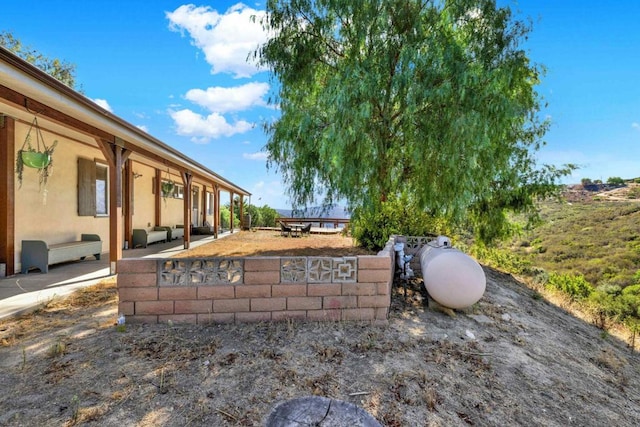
(7, 193)
(116, 155)
(158, 198)
(204, 204)
(128, 202)
(216, 211)
(231, 212)
(187, 179)
(241, 200)
(115, 210)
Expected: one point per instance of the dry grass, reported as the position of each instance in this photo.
(72, 366)
(44, 319)
(271, 243)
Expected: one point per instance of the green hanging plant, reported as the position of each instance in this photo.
(167, 186)
(39, 157)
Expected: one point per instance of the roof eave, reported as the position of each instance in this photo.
(40, 86)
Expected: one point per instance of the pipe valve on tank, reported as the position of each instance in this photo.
(403, 261)
(443, 241)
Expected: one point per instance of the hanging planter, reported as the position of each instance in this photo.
(167, 188)
(33, 159)
(38, 157)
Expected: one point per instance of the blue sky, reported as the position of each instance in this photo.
(592, 54)
(178, 71)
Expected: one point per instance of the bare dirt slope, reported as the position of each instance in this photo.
(513, 359)
(602, 192)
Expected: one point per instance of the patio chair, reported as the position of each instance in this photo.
(284, 229)
(306, 229)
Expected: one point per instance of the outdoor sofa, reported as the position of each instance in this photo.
(204, 229)
(38, 254)
(145, 236)
(173, 233)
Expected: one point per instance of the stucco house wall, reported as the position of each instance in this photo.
(90, 140)
(171, 208)
(172, 211)
(143, 198)
(51, 214)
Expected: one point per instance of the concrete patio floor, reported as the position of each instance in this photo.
(22, 293)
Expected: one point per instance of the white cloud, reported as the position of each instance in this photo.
(104, 104)
(635, 125)
(223, 100)
(202, 129)
(260, 155)
(143, 128)
(226, 39)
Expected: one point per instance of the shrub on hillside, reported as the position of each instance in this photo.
(630, 297)
(604, 304)
(502, 259)
(576, 286)
(633, 193)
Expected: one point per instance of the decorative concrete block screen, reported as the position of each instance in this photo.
(252, 289)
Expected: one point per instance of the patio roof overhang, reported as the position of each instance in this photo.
(29, 90)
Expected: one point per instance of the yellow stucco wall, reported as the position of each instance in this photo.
(143, 198)
(52, 214)
(171, 212)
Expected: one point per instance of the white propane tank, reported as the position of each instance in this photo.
(452, 278)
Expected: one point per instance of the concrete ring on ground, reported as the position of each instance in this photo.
(319, 411)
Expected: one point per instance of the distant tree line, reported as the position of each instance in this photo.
(613, 180)
(264, 216)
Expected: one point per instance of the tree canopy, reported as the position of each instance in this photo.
(60, 70)
(431, 100)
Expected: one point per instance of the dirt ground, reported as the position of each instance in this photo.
(511, 359)
(272, 243)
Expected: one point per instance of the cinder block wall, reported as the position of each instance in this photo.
(262, 289)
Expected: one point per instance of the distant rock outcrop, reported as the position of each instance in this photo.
(586, 193)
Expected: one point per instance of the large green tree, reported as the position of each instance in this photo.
(430, 100)
(61, 70)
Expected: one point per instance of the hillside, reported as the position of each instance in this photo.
(596, 234)
(513, 359)
(630, 191)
